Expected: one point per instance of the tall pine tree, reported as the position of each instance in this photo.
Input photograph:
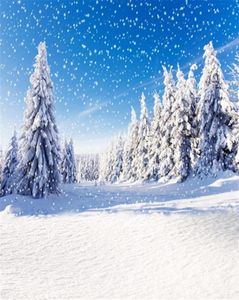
(39, 145)
(117, 159)
(235, 74)
(9, 168)
(68, 164)
(192, 98)
(130, 148)
(153, 171)
(166, 149)
(214, 116)
(182, 130)
(141, 161)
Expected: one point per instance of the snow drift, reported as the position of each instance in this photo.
(131, 242)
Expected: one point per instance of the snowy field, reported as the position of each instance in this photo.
(154, 241)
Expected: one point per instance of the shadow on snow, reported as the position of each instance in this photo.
(142, 198)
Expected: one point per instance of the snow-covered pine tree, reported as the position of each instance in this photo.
(141, 160)
(68, 165)
(107, 163)
(117, 159)
(166, 124)
(73, 172)
(215, 116)
(39, 146)
(192, 99)
(153, 171)
(65, 163)
(9, 168)
(1, 163)
(88, 167)
(234, 164)
(182, 114)
(235, 74)
(130, 148)
(103, 166)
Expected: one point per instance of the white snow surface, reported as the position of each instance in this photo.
(141, 241)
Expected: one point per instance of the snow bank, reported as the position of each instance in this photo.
(138, 242)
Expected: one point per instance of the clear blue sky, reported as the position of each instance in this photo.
(103, 54)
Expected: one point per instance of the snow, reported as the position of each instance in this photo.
(122, 241)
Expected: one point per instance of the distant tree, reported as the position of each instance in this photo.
(182, 130)
(103, 166)
(166, 150)
(88, 167)
(214, 115)
(130, 149)
(73, 171)
(141, 160)
(39, 146)
(1, 163)
(235, 159)
(235, 74)
(68, 164)
(107, 163)
(9, 168)
(153, 171)
(192, 98)
(117, 159)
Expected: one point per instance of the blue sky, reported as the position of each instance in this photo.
(103, 54)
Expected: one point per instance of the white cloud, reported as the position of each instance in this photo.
(92, 109)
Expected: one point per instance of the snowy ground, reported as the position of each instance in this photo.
(167, 241)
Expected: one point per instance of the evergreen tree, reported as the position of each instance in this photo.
(130, 148)
(192, 98)
(182, 130)
(233, 159)
(235, 162)
(103, 166)
(117, 159)
(9, 174)
(235, 74)
(68, 164)
(39, 147)
(107, 163)
(166, 124)
(214, 114)
(65, 163)
(73, 171)
(153, 171)
(141, 160)
(1, 164)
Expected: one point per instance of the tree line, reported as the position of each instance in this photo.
(193, 132)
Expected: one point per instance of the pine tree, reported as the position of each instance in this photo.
(107, 163)
(68, 164)
(65, 163)
(73, 172)
(232, 160)
(192, 98)
(141, 160)
(39, 146)
(166, 150)
(1, 164)
(9, 174)
(88, 167)
(153, 171)
(117, 159)
(214, 114)
(130, 148)
(182, 130)
(235, 159)
(235, 74)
